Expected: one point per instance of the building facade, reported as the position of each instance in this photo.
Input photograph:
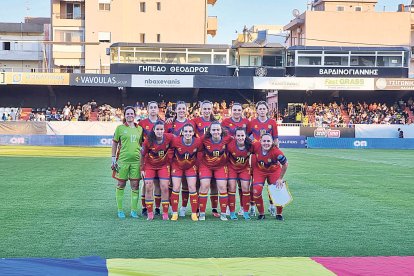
(84, 30)
(21, 47)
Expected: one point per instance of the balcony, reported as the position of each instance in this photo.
(212, 25)
(68, 20)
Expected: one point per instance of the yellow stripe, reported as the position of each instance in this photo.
(228, 266)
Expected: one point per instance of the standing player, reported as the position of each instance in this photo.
(147, 125)
(271, 165)
(185, 148)
(176, 128)
(231, 124)
(214, 164)
(239, 150)
(255, 129)
(155, 163)
(201, 126)
(126, 156)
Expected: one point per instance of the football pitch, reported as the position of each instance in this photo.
(60, 202)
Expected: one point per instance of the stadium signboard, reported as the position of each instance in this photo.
(171, 69)
(394, 84)
(294, 83)
(162, 81)
(37, 78)
(359, 72)
(100, 80)
(360, 143)
(327, 132)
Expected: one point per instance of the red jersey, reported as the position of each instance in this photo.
(238, 159)
(185, 156)
(258, 128)
(214, 155)
(147, 126)
(230, 125)
(269, 162)
(176, 127)
(201, 126)
(156, 155)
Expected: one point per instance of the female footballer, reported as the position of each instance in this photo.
(156, 163)
(214, 164)
(239, 150)
(126, 155)
(147, 125)
(269, 163)
(185, 148)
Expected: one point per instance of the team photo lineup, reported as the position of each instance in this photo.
(198, 158)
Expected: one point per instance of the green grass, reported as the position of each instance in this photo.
(60, 202)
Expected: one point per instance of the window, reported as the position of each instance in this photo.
(273, 61)
(389, 61)
(142, 6)
(69, 36)
(220, 59)
(199, 58)
(336, 61)
(340, 8)
(6, 46)
(309, 60)
(158, 6)
(364, 61)
(142, 38)
(358, 9)
(104, 7)
(158, 37)
(104, 36)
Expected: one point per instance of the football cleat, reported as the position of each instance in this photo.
(252, 211)
(150, 216)
(223, 217)
(246, 216)
(157, 212)
(121, 214)
(182, 211)
(134, 214)
(272, 210)
(174, 216)
(280, 217)
(194, 217)
(215, 213)
(261, 217)
(241, 212)
(233, 216)
(228, 211)
(144, 212)
(202, 216)
(165, 217)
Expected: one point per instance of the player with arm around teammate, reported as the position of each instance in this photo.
(239, 150)
(269, 164)
(214, 164)
(184, 164)
(126, 157)
(156, 164)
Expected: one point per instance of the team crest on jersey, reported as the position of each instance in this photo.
(125, 132)
(208, 147)
(194, 150)
(173, 171)
(269, 160)
(255, 126)
(146, 127)
(244, 125)
(269, 126)
(234, 153)
(199, 124)
(231, 124)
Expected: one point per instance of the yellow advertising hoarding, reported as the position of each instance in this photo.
(37, 78)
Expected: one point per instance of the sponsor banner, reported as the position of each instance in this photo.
(292, 141)
(162, 81)
(37, 78)
(293, 83)
(361, 143)
(360, 72)
(394, 84)
(100, 80)
(326, 132)
(88, 140)
(2, 78)
(171, 69)
(222, 82)
(383, 131)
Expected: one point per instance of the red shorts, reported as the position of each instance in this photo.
(220, 173)
(240, 175)
(260, 177)
(160, 173)
(176, 171)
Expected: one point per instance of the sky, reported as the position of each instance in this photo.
(232, 15)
